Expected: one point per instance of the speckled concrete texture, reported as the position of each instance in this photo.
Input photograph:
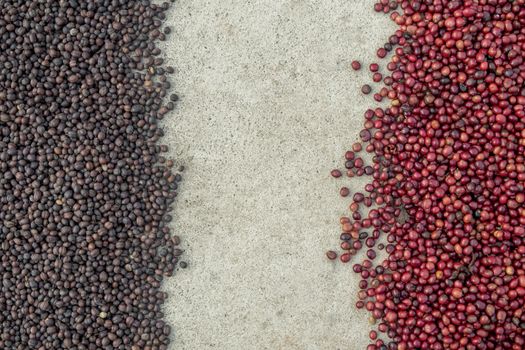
(268, 106)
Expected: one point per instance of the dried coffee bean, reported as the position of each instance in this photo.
(84, 191)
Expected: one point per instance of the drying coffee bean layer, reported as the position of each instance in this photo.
(84, 189)
(447, 191)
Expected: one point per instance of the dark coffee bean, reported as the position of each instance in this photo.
(331, 255)
(85, 193)
(345, 237)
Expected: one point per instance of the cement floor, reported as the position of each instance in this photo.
(268, 106)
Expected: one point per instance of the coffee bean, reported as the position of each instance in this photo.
(85, 190)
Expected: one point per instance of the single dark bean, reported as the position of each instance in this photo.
(331, 255)
(366, 89)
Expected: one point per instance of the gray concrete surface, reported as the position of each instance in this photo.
(269, 104)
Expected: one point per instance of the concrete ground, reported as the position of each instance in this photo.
(268, 106)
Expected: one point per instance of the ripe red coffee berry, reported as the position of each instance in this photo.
(336, 173)
(381, 53)
(357, 147)
(377, 77)
(345, 257)
(356, 65)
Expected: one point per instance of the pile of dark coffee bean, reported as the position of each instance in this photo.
(84, 189)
